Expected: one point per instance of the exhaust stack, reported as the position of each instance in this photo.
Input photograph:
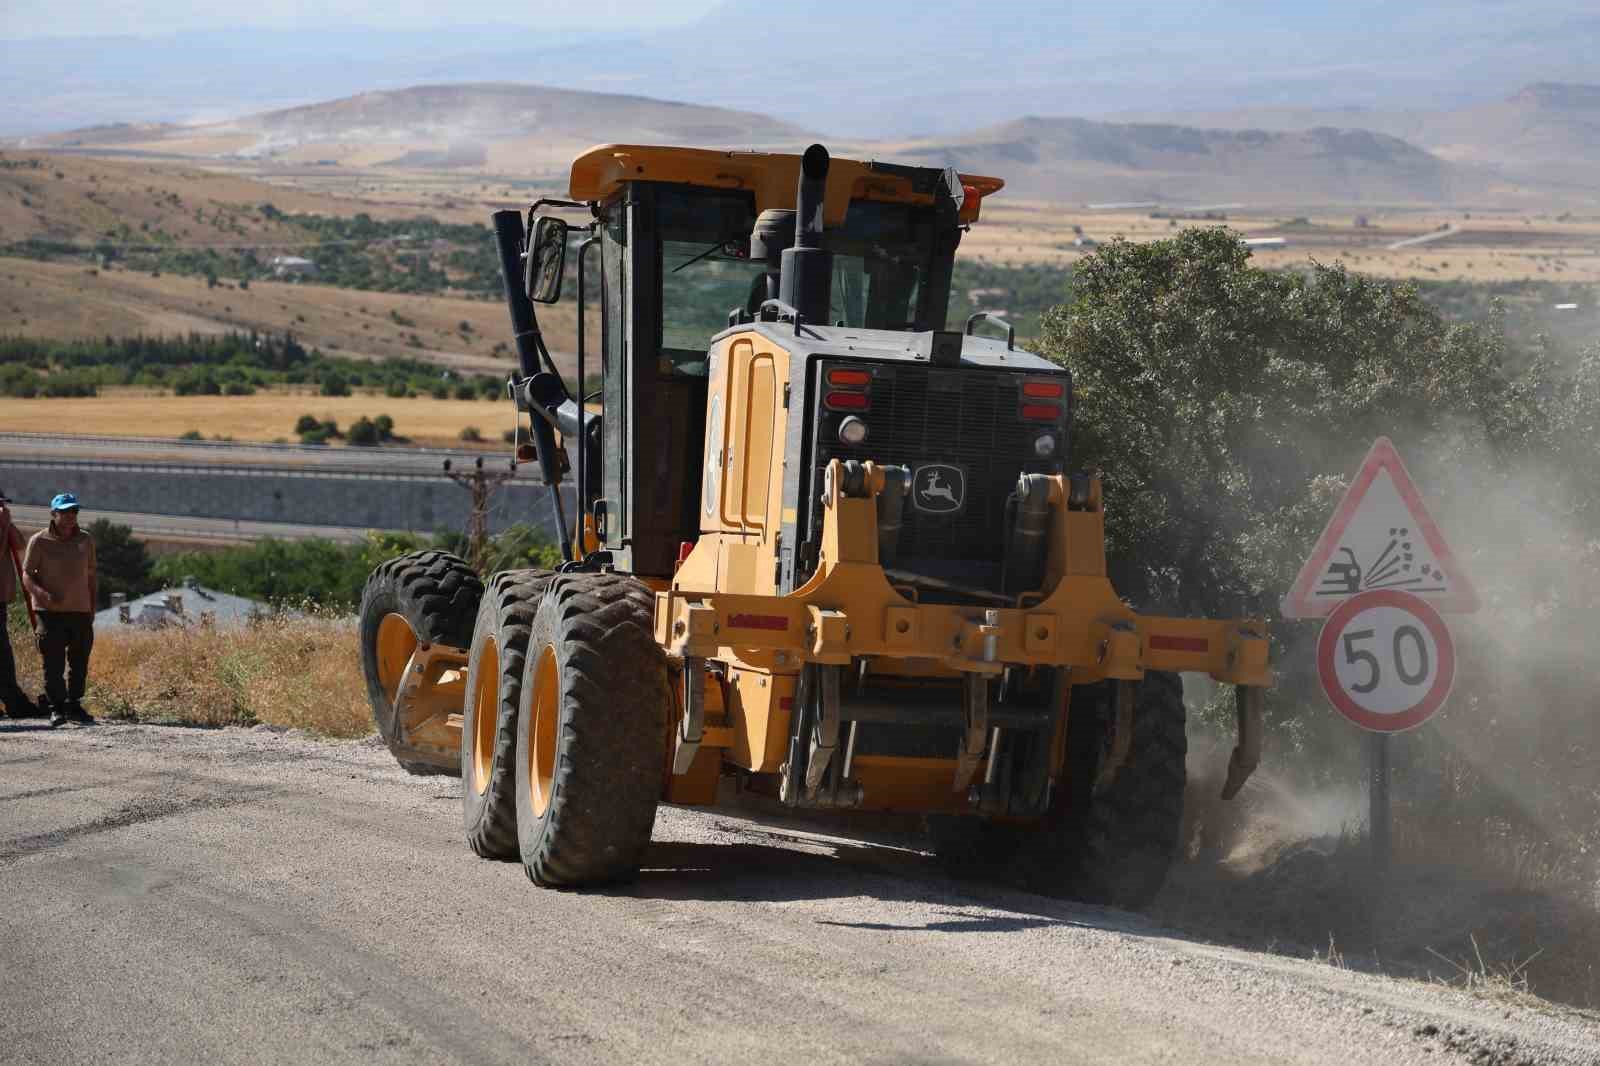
(807, 272)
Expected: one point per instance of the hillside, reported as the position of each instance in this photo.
(533, 132)
(1074, 159)
(530, 130)
(1546, 132)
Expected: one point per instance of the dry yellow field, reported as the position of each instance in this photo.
(1485, 247)
(266, 416)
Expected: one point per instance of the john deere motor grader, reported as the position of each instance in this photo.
(821, 549)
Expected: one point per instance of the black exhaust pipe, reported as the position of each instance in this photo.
(807, 268)
(508, 238)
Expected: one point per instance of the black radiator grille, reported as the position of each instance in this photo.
(967, 418)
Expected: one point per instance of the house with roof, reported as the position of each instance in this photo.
(188, 604)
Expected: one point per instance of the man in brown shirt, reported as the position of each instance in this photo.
(18, 705)
(59, 574)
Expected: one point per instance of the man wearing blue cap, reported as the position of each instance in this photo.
(59, 574)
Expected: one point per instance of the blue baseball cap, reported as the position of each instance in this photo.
(66, 501)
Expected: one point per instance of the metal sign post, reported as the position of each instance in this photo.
(1380, 573)
(1379, 816)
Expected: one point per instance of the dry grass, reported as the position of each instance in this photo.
(302, 673)
(1491, 908)
(266, 416)
(70, 301)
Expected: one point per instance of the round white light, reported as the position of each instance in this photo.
(852, 430)
(1044, 445)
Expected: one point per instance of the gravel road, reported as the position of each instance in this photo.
(177, 895)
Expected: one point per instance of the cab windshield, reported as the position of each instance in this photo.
(882, 256)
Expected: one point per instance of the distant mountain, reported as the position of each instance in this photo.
(504, 128)
(1077, 159)
(535, 131)
(888, 69)
(1548, 132)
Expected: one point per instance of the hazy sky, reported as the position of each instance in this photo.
(52, 18)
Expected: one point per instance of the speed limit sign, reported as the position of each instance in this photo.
(1386, 660)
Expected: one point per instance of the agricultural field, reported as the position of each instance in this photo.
(1433, 244)
(268, 415)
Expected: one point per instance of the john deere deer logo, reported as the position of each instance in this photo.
(939, 488)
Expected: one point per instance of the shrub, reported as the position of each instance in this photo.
(465, 391)
(385, 426)
(193, 434)
(472, 434)
(239, 388)
(440, 392)
(335, 384)
(364, 433)
(307, 424)
(396, 388)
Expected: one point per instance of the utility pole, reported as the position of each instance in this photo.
(482, 484)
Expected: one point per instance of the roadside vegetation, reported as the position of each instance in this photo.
(1226, 405)
(229, 364)
(297, 668)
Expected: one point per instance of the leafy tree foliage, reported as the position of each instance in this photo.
(1223, 402)
(1226, 406)
(123, 563)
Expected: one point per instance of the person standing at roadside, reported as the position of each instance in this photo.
(59, 574)
(18, 705)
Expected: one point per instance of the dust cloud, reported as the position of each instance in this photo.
(1495, 879)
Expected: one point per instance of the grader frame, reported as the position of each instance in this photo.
(742, 574)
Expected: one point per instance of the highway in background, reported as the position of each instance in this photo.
(365, 460)
(179, 527)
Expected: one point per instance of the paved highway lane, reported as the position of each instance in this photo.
(238, 896)
(179, 527)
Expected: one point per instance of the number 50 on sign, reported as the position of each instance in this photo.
(1386, 660)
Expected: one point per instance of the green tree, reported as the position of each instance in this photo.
(123, 563)
(334, 383)
(364, 432)
(1223, 403)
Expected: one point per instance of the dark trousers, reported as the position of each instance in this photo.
(65, 639)
(12, 696)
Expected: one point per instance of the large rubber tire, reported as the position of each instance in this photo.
(489, 720)
(592, 732)
(437, 595)
(1116, 847)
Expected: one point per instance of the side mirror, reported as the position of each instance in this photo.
(547, 260)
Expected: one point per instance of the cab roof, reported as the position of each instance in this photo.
(599, 173)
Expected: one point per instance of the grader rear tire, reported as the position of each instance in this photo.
(489, 720)
(592, 732)
(424, 597)
(1116, 847)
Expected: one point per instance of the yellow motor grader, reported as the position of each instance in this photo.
(821, 549)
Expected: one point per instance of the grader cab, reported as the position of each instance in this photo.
(821, 549)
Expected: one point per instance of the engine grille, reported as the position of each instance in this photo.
(958, 416)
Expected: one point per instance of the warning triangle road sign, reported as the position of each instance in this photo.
(1380, 537)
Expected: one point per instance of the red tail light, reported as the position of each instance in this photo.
(1046, 390)
(849, 379)
(846, 401)
(1041, 412)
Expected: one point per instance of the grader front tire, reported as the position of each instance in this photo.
(591, 735)
(1115, 847)
(495, 669)
(427, 597)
